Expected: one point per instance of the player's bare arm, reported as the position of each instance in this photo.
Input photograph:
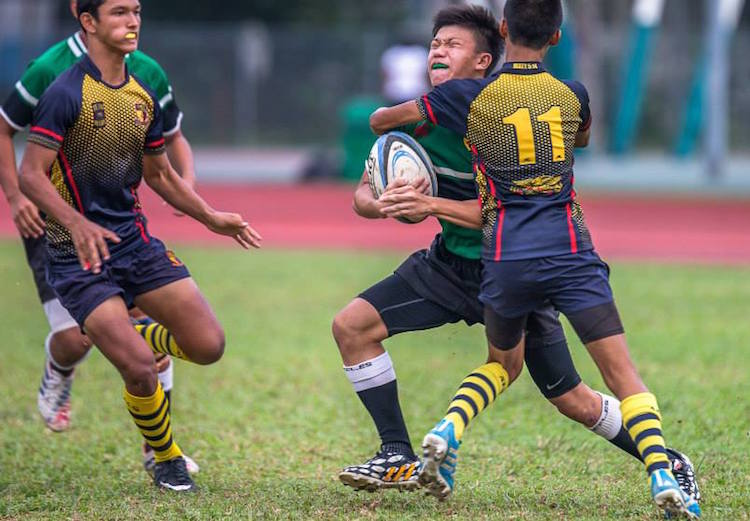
(159, 175)
(407, 201)
(89, 239)
(387, 118)
(180, 155)
(25, 214)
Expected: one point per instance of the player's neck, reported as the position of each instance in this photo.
(110, 62)
(517, 53)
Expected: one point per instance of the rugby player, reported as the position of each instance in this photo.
(65, 345)
(97, 131)
(530, 218)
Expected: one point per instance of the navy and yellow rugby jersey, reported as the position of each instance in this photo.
(522, 124)
(100, 133)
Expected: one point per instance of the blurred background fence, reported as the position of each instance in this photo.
(259, 75)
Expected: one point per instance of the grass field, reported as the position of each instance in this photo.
(273, 422)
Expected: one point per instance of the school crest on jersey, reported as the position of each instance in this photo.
(141, 114)
(100, 118)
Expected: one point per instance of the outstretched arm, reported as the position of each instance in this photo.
(388, 118)
(90, 239)
(159, 175)
(25, 214)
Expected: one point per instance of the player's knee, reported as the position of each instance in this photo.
(579, 405)
(353, 330)
(72, 342)
(513, 365)
(212, 344)
(140, 375)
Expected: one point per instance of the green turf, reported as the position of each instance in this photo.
(273, 422)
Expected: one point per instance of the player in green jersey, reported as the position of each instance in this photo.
(65, 345)
(441, 285)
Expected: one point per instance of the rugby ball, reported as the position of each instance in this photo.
(397, 155)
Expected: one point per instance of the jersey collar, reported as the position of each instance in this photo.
(523, 67)
(93, 71)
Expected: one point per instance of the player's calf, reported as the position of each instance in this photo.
(53, 398)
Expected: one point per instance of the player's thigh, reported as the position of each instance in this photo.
(543, 327)
(108, 325)
(36, 256)
(505, 338)
(579, 287)
(509, 293)
(402, 309)
(181, 308)
(552, 369)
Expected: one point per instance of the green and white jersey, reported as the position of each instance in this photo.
(19, 107)
(453, 166)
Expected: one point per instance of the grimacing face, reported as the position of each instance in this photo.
(453, 54)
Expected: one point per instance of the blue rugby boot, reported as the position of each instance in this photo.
(669, 497)
(439, 461)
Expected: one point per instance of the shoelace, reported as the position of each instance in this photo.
(180, 470)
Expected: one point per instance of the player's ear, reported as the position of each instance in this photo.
(504, 29)
(87, 22)
(484, 61)
(555, 38)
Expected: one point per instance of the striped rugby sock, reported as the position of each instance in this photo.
(151, 416)
(642, 419)
(160, 340)
(476, 393)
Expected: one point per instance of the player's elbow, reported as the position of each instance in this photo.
(378, 121)
(582, 139)
(25, 182)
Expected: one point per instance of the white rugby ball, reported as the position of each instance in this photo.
(397, 155)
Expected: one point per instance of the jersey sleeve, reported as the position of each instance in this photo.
(172, 115)
(18, 109)
(154, 143)
(156, 78)
(583, 97)
(448, 104)
(56, 112)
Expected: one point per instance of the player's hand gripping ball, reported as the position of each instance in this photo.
(396, 155)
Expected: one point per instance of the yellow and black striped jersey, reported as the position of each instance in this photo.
(521, 124)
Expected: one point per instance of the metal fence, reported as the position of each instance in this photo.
(248, 83)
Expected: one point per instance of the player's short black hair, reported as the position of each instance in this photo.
(89, 6)
(532, 23)
(481, 21)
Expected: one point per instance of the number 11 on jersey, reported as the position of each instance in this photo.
(521, 122)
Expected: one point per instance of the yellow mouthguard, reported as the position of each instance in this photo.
(131, 36)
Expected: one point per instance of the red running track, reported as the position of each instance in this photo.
(690, 230)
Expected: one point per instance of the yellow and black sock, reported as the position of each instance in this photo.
(151, 416)
(642, 419)
(476, 393)
(160, 340)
